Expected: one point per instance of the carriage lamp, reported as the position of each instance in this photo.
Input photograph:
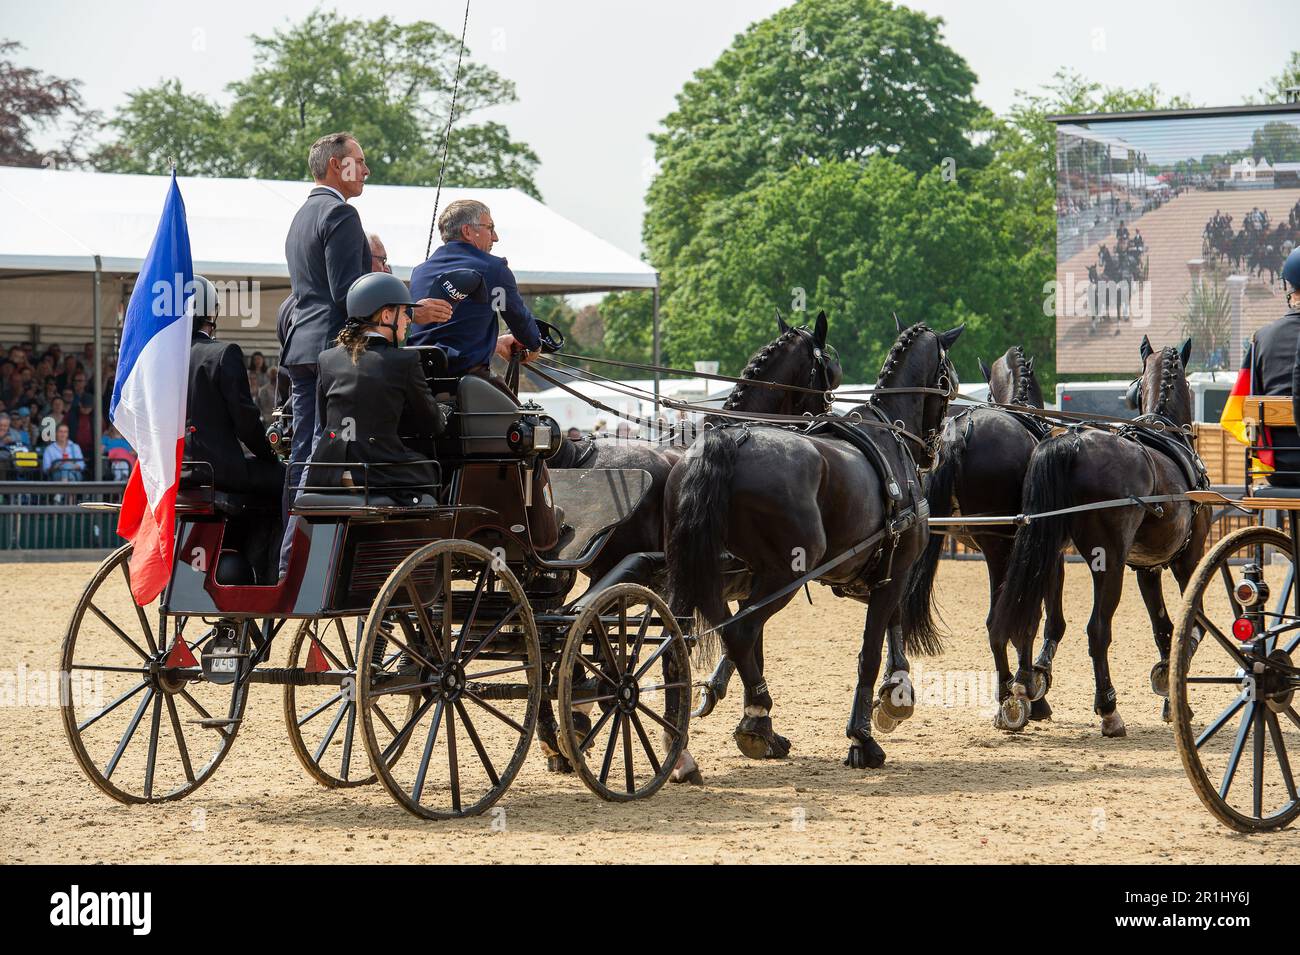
(1251, 590)
(1243, 629)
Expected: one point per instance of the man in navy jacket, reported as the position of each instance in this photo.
(470, 338)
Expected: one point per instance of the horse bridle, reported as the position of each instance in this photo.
(946, 388)
(820, 364)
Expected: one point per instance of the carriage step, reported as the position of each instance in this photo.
(216, 722)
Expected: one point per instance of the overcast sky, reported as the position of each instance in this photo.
(595, 76)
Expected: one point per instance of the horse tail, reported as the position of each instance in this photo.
(1039, 543)
(695, 539)
(920, 634)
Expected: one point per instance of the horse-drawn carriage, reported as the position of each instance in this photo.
(430, 636)
(1233, 676)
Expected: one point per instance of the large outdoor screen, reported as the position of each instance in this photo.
(1172, 227)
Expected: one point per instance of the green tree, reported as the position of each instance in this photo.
(388, 83)
(1275, 90)
(819, 81)
(860, 240)
(162, 123)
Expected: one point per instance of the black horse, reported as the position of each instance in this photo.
(1088, 466)
(785, 502)
(983, 457)
(798, 356)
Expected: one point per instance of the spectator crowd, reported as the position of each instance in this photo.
(47, 412)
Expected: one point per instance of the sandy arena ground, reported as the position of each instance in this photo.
(954, 789)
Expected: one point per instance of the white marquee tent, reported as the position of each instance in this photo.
(71, 243)
(61, 228)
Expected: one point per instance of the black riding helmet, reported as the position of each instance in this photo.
(373, 291)
(204, 304)
(1291, 271)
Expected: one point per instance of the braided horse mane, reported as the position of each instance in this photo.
(756, 365)
(1171, 371)
(896, 352)
(1023, 376)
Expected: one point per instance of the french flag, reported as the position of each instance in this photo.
(149, 396)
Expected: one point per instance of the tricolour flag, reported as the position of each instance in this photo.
(1231, 418)
(149, 397)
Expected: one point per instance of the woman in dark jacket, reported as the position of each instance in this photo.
(369, 391)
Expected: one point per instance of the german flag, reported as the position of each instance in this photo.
(1231, 418)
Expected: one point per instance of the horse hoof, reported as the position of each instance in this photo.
(882, 721)
(1112, 726)
(1040, 710)
(1160, 678)
(755, 738)
(694, 777)
(1013, 714)
(687, 771)
(558, 764)
(897, 698)
(866, 755)
(708, 700)
(1039, 684)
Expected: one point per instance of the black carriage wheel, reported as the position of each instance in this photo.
(1236, 723)
(624, 693)
(461, 638)
(321, 720)
(140, 731)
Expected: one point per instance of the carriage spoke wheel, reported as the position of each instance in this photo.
(461, 645)
(1234, 708)
(322, 719)
(143, 731)
(624, 693)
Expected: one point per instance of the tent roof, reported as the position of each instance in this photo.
(59, 220)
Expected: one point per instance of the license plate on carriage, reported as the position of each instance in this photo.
(224, 664)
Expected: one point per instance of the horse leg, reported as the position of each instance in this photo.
(754, 734)
(1162, 628)
(714, 689)
(548, 731)
(865, 752)
(1053, 631)
(896, 696)
(997, 555)
(1107, 586)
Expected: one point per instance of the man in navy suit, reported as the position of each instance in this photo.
(470, 338)
(327, 250)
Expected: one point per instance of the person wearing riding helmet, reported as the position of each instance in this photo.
(367, 385)
(1274, 361)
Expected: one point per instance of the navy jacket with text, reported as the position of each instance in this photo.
(470, 337)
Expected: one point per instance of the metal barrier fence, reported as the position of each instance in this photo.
(45, 515)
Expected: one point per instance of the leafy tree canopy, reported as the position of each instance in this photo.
(388, 83)
(860, 240)
(819, 81)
